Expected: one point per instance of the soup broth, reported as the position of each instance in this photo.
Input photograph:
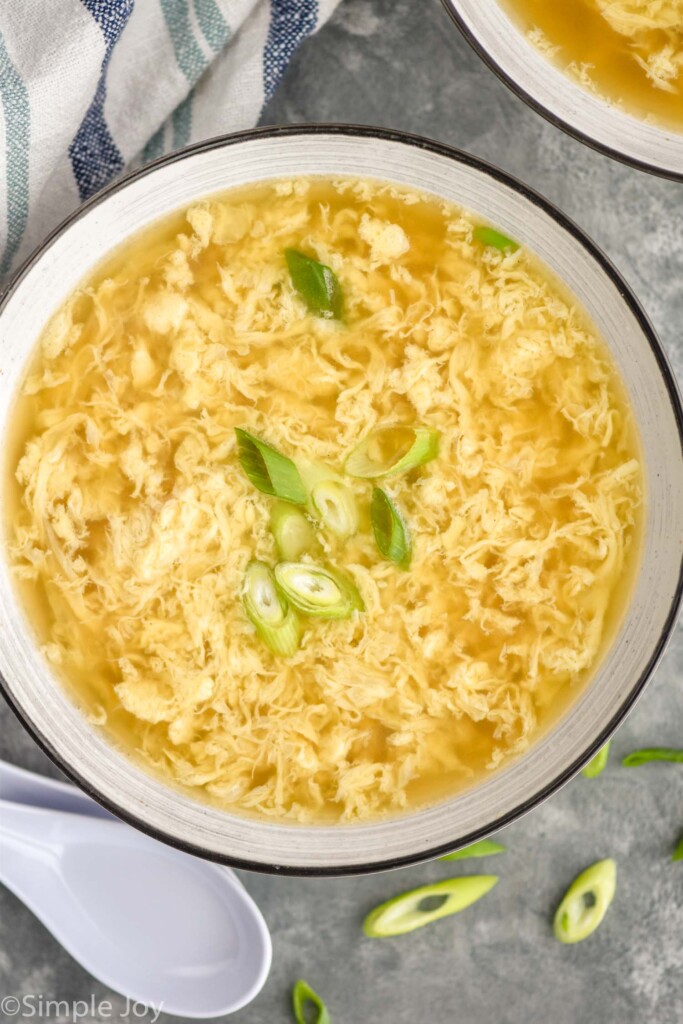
(629, 51)
(479, 589)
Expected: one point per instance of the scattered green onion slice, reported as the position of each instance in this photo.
(318, 591)
(268, 469)
(335, 506)
(316, 284)
(388, 451)
(678, 852)
(292, 531)
(484, 848)
(598, 764)
(275, 622)
(405, 913)
(639, 757)
(586, 902)
(489, 236)
(390, 529)
(302, 993)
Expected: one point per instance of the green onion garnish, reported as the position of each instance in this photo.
(268, 469)
(275, 622)
(484, 848)
(335, 506)
(292, 531)
(586, 902)
(391, 530)
(489, 236)
(678, 852)
(388, 451)
(421, 906)
(302, 993)
(598, 764)
(639, 757)
(316, 284)
(318, 591)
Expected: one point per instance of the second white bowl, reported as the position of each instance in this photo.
(521, 65)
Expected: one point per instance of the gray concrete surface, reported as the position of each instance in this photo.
(400, 63)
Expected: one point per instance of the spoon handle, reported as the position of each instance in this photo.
(28, 864)
(24, 787)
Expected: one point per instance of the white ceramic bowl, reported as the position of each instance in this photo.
(498, 39)
(135, 201)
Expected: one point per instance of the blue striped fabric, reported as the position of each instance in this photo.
(127, 80)
(290, 22)
(191, 60)
(154, 148)
(215, 28)
(182, 123)
(17, 114)
(94, 155)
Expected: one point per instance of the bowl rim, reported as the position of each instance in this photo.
(628, 297)
(536, 104)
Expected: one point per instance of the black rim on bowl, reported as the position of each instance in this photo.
(443, 150)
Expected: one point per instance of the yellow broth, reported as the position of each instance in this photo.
(134, 522)
(628, 51)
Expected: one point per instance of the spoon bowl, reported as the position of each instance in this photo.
(157, 925)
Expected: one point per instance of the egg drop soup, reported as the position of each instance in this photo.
(630, 52)
(327, 499)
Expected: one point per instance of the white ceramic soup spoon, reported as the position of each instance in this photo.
(159, 926)
(21, 786)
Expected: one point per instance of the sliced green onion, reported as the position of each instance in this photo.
(390, 528)
(484, 848)
(318, 591)
(639, 757)
(598, 764)
(489, 236)
(302, 993)
(292, 531)
(268, 469)
(335, 506)
(678, 852)
(586, 902)
(316, 284)
(275, 622)
(388, 451)
(421, 906)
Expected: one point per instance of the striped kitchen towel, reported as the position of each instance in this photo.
(89, 86)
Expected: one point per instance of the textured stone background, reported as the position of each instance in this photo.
(401, 64)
